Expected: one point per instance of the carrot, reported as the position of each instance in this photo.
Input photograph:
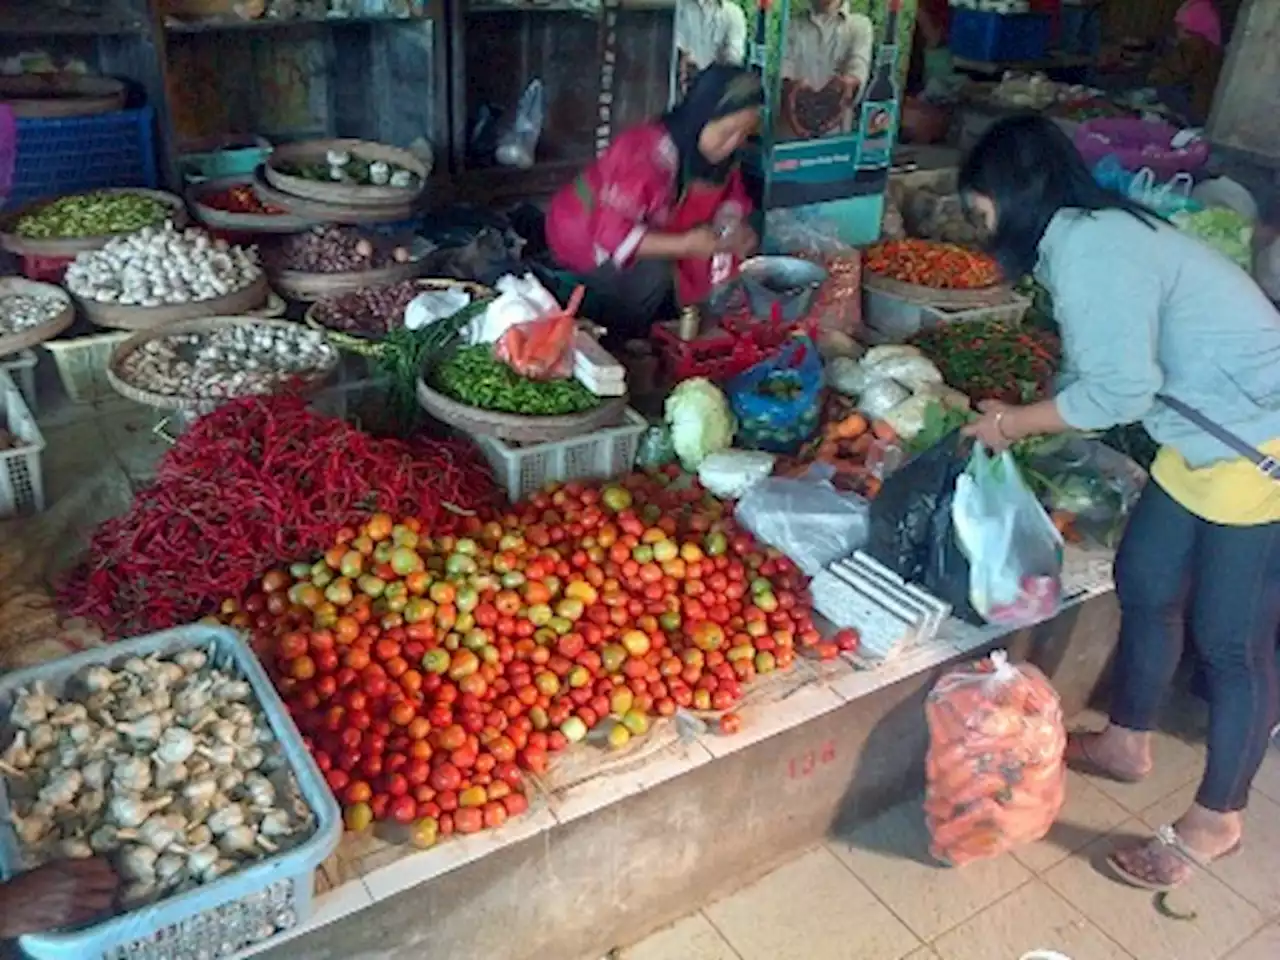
(884, 431)
(850, 427)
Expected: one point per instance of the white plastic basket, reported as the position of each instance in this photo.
(221, 918)
(22, 367)
(21, 483)
(603, 453)
(82, 365)
(890, 319)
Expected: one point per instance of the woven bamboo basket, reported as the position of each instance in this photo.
(55, 95)
(514, 427)
(14, 342)
(315, 151)
(310, 287)
(240, 222)
(371, 346)
(935, 296)
(200, 405)
(63, 247)
(114, 316)
(328, 212)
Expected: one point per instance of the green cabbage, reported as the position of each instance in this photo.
(1225, 230)
(701, 421)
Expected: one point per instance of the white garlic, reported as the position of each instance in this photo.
(130, 810)
(176, 745)
(226, 818)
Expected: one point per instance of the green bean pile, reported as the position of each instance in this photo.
(472, 375)
(92, 215)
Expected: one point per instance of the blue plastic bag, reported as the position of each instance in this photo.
(778, 402)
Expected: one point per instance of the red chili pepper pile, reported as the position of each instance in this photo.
(992, 359)
(930, 263)
(239, 199)
(259, 482)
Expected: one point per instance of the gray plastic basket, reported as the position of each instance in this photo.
(220, 918)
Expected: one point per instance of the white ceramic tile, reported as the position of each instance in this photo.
(1219, 918)
(422, 865)
(763, 720)
(326, 908)
(1033, 917)
(1252, 872)
(612, 786)
(837, 919)
(924, 953)
(693, 938)
(1268, 779)
(1175, 764)
(1264, 945)
(891, 856)
(1087, 815)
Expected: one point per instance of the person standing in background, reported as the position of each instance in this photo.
(707, 32)
(929, 34)
(828, 52)
(1187, 76)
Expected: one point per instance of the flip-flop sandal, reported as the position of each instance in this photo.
(1079, 757)
(1163, 863)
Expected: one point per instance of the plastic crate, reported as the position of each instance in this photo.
(22, 367)
(82, 365)
(222, 917)
(45, 269)
(891, 319)
(21, 484)
(604, 453)
(73, 154)
(998, 37)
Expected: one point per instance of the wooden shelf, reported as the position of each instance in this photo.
(278, 23)
(17, 23)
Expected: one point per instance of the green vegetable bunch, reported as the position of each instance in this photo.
(407, 354)
(474, 376)
(92, 215)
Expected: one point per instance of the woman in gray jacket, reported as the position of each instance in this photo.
(1158, 329)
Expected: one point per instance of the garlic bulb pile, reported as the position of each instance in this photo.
(162, 265)
(232, 361)
(22, 311)
(164, 764)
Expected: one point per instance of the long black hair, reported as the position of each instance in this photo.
(716, 92)
(1030, 169)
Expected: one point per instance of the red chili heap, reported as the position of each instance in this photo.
(258, 481)
(239, 199)
(930, 263)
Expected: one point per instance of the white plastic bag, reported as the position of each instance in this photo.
(729, 474)
(426, 308)
(1013, 548)
(516, 147)
(806, 518)
(519, 300)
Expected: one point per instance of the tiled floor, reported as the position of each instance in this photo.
(876, 895)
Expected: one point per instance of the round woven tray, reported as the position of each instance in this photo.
(309, 287)
(315, 151)
(937, 297)
(70, 246)
(51, 95)
(516, 428)
(240, 222)
(14, 342)
(372, 346)
(198, 405)
(117, 317)
(328, 212)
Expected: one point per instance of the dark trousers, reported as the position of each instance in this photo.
(631, 300)
(1179, 576)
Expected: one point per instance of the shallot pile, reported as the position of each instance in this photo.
(162, 266)
(259, 482)
(232, 361)
(22, 311)
(372, 311)
(167, 765)
(333, 249)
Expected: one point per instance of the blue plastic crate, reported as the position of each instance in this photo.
(999, 37)
(57, 156)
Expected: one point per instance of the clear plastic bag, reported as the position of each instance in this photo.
(730, 474)
(806, 518)
(1013, 548)
(995, 775)
(518, 146)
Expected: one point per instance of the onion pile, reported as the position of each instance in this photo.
(334, 249)
(162, 266)
(371, 310)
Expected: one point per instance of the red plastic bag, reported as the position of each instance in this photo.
(995, 773)
(542, 349)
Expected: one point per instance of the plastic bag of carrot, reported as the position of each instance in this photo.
(996, 778)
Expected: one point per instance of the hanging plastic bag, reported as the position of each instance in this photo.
(8, 150)
(994, 773)
(1013, 548)
(517, 147)
(778, 402)
(806, 518)
(911, 529)
(542, 349)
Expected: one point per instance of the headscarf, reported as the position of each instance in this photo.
(716, 92)
(1200, 18)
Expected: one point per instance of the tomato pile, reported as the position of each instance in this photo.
(429, 675)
